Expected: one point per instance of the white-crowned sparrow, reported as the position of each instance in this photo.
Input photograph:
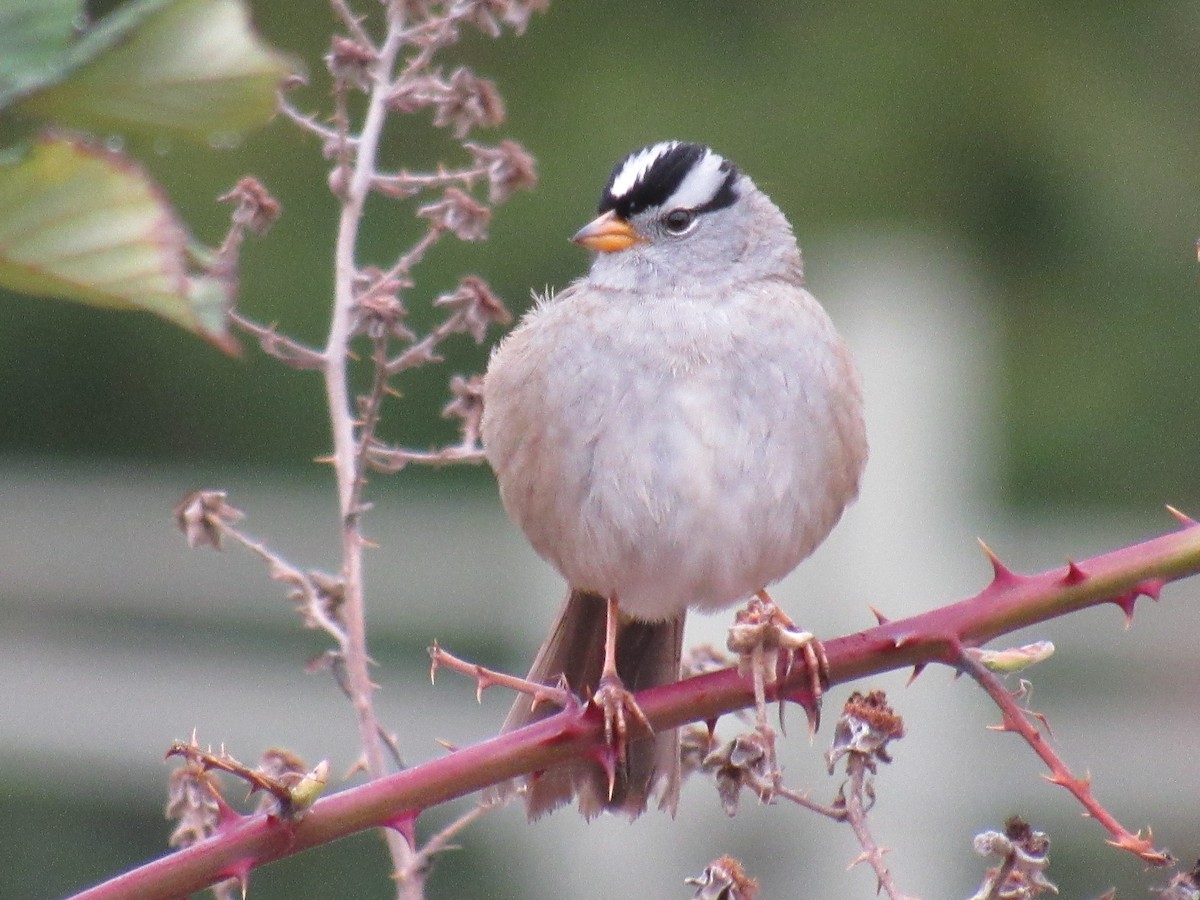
(680, 428)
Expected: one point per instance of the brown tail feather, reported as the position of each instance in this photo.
(648, 654)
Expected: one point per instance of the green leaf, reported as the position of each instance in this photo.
(193, 67)
(89, 225)
(33, 38)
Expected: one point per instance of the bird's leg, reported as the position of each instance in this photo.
(611, 697)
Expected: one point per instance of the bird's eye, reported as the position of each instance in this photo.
(677, 221)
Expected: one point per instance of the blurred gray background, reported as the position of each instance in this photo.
(998, 203)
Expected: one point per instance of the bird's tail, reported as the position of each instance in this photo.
(648, 654)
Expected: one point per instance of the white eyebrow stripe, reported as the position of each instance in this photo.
(701, 183)
(637, 166)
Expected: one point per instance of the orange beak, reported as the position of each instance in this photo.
(608, 234)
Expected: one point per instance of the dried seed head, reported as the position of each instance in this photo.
(695, 744)
(282, 766)
(469, 102)
(724, 879)
(350, 62)
(467, 404)
(256, 209)
(1026, 855)
(201, 515)
(459, 213)
(380, 310)
(1183, 886)
(741, 762)
(700, 659)
(509, 168)
(475, 306)
(866, 726)
(193, 798)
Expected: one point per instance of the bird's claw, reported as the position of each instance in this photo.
(619, 708)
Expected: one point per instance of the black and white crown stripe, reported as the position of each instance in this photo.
(670, 175)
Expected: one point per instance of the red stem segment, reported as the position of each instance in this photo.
(1008, 603)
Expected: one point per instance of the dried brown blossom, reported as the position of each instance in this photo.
(380, 310)
(695, 744)
(476, 308)
(1183, 886)
(724, 879)
(468, 102)
(742, 762)
(467, 404)
(1025, 854)
(256, 209)
(700, 659)
(459, 213)
(282, 766)
(193, 799)
(488, 15)
(509, 168)
(200, 516)
(865, 728)
(328, 592)
(350, 62)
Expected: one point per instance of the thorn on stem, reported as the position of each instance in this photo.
(405, 824)
(1184, 520)
(1002, 575)
(1075, 575)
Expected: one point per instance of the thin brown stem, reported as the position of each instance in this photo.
(858, 767)
(352, 22)
(288, 351)
(308, 122)
(440, 842)
(339, 397)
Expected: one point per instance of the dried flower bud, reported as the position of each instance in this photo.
(256, 209)
(724, 879)
(379, 307)
(282, 766)
(350, 62)
(328, 592)
(741, 762)
(695, 744)
(193, 798)
(475, 307)
(1183, 886)
(865, 727)
(200, 516)
(509, 168)
(1026, 854)
(470, 102)
(467, 404)
(459, 213)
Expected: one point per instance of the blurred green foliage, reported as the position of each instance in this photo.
(1057, 142)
